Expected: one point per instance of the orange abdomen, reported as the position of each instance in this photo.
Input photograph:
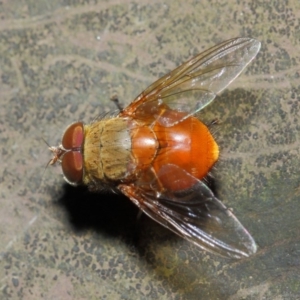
(188, 145)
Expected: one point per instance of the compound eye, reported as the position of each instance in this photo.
(72, 167)
(73, 136)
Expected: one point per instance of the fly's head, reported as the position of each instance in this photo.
(69, 153)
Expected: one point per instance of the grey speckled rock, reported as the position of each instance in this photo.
(61, 61)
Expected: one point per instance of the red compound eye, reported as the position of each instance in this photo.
(72, 167)
(73, 136)
(72, 161)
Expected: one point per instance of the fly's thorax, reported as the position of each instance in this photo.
(107, 150)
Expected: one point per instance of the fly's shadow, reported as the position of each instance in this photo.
(111, 214)
(107, 213)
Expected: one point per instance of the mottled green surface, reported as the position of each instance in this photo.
(61, 61)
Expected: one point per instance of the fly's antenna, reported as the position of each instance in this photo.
(56, 151)
(46, 142)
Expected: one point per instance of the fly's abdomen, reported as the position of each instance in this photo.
(190, 146)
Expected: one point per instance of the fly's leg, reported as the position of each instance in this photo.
(214, 122)
(115, 99)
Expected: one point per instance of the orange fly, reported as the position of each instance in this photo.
(157, 153)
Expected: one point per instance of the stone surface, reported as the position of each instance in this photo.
(61, 61)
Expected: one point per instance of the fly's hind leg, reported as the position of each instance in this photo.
(214, 122)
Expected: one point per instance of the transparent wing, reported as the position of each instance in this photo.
(194, 214)
(194, 84)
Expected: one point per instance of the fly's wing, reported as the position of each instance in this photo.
(194, 84)
(194, 214)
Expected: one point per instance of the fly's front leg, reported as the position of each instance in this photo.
(115, 99)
